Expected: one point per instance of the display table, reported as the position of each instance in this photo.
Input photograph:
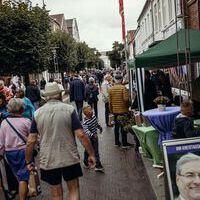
(148, 138)
(163, 121)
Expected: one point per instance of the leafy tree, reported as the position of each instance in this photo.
(65, 51)
(83, 54)
(116, 56)
(100, 64)
(24, 39)
(87, 57)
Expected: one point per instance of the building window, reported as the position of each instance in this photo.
(145, 26)
(164, 11)
(170, 9)
(155, 18)
(148, 24)
(159, 16)
(142, 30)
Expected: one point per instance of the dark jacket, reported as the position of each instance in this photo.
(77, 90)
(149, 95)
(184, 127)
(33, 93)
(92, 93)
(42, 84)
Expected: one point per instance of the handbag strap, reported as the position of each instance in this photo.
(16, 131)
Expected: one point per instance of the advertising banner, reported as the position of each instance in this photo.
(182, 164)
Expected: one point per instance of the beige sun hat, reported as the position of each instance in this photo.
(51, 89)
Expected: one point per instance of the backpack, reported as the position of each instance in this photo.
(91, 95)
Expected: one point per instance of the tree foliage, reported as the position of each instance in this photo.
(26, 43)
(87, 57)
(65, 51)
(24, 38)
(116, 56)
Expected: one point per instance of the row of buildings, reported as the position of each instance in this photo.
(158, 20)
(58, 22)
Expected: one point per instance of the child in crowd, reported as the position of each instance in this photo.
(184, 127)
(90, 126)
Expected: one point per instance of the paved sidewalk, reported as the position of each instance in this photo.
(125, 177)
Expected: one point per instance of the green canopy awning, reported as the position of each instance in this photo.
(164, 54)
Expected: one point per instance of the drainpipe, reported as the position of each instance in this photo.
(152, 18)
(187, 48)
(177, 39)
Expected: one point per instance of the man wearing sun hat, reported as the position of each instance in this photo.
(56, 124)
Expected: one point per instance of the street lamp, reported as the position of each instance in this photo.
(43, 4)
(55, 60)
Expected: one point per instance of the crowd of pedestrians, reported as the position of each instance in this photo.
(25, 124)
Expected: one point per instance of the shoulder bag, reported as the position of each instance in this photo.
(34, 188)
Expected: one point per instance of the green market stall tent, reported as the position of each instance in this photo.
(164, 54)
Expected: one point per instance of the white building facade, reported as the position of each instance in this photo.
(105, 59)
(157, 22)
(73, 28)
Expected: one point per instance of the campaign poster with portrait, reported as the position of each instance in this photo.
(182, 165)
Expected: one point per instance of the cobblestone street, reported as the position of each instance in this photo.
(124, 178)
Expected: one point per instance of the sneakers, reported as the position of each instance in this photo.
(99, 168)
(127, 146)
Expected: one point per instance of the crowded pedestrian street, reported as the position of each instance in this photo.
(124, 176)
(99, 100)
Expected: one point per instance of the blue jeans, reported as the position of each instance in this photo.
(119, 129)
(94, 106)
(95, 144)
(106, 113)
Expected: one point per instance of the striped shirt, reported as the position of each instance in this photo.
(90, 126)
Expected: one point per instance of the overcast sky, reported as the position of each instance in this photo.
(99, 21)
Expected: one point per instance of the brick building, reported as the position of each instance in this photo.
(192, 10)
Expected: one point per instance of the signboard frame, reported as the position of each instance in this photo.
(174, 149)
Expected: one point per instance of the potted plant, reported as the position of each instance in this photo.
(127, 121)
(161, 102)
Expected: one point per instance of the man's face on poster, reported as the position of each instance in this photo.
(188, 180)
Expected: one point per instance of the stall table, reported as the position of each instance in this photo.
(162, 121)
(148, 138)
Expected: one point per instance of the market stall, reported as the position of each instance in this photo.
(165, 54)
(182, 48)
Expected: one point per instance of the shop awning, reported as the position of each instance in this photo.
(164, 54)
